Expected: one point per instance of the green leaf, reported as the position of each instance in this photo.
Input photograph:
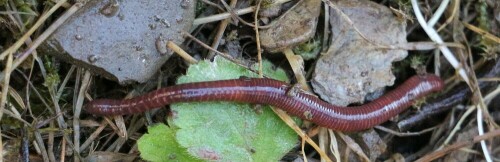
(160, 145)
(228, 131)
(308, 50)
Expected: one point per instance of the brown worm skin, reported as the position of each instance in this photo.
(275, 93)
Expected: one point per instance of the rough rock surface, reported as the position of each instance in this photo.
(356, 64)
(296, 26)
(122, 40)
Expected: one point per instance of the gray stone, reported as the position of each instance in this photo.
(122, 40)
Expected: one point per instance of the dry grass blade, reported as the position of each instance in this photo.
(354, 146)
(3, 99)
(405, 134)
(297, 64)
(437, 154)
(40, 39)
(257, 38)
(93, 136)
(334, 146)
(40, 21)
(78, 108)
(15, 95)
(288, 120)
(482, 32)
(220, 31)
(5, 88)
(222, 16)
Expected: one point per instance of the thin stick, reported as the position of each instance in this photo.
(353, 146)
(17, 12)
(237, 62)
(234, 15)
(207, 46)
(406, 134)
(302, 148)
(257, 38)
(220, 30)
(325, 29)
(457, 126)
(65, 81)
(212, 4)
(222, 16)
(41, 145)
(174, 47)
(94, 135)
(456, 7)
(14, 115)
(1, 145)
(63, 149)
(490, 96)
(480, 129)
(50, 142)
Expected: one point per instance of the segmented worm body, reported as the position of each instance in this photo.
(457, 95)
(277, 93)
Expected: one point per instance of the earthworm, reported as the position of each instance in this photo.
(280, 95)
(452, 98)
